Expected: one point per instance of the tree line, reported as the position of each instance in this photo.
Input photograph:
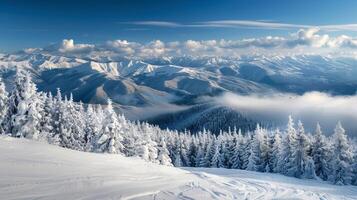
(26, 112)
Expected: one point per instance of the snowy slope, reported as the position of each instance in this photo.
(33, 170)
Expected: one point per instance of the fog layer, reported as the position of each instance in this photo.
(310, 108)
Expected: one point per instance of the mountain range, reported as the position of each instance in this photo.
(164, 90)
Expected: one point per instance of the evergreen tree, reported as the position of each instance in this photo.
(163, 156)
(201, 149)
(298, 158)
(256, 160)
(321, 154)
(56, 114)
(130, 141)
(178, 160)
(216, 159)
(285, 155)
(341, 166)
(3, 106)
(24, 108)
(275, 152)
(192, 152)
(354, 167)
(206, 159)
(146, 147)
(47, 120)
(238, 150)
(184, 151)
(309, 171)
(244, 150)
(92, 127)
(227, 149)
(110, 140)
(72, 125)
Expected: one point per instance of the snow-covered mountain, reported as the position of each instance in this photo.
(168, 84)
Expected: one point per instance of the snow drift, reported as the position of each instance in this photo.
(33, 170)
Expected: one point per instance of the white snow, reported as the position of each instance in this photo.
(33, 170)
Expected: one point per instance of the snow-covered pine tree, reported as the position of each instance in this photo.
(130, 136)
(97, 128)
(252, 161)
(92, 128)
(81, 124)
(216, 153)
(163, 156)
(321, 154)
(256, 160)
(150, 143)
(230, 144)
(206, 159)
(275, 152)
(130, 140)
(3, 106)
(110, 140)
(47, 120)
(227, 146)
(354, 167)
(177, 156)
(296, 166)
(72, 125)
(56, 114)
(192, 151)
(270, 156)
(264, 148)
(342, 157)
(170, 142)
(309, 171)
(201, 149)
(236, 158)
(145, 146)
(184, 150)
(24, 107)
(65, 124)
(285, 155)
(244, 150)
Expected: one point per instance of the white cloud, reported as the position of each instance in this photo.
(308, 37)
(155, 48)
(122, 46)
(311, 108)
(69, 46)
(304, 41)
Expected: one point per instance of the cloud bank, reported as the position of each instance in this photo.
(310, 108)
(304, 41)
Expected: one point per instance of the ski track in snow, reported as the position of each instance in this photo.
(33, 170)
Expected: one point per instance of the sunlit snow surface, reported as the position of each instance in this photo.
(33, 170)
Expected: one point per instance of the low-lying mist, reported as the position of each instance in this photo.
(310, 108)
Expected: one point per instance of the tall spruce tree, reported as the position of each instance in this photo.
(342, 157)
(299, 157)
(321, 154)
(3, 107)
(285, 156)
(24, 107)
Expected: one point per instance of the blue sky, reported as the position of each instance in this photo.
(28, 23)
